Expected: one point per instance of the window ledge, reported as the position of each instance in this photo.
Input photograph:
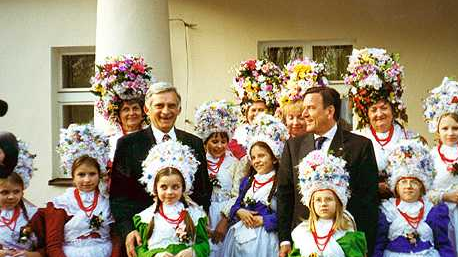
(61, 182)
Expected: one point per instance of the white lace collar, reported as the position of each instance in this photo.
(410, 208)
(323, 226)
(173, 210)
(7, 213)
(264, 177)
(449, 151)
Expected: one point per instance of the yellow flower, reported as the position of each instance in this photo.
(367, 58)
(302, 69)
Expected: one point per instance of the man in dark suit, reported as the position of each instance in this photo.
(127, 195)
(321, 112)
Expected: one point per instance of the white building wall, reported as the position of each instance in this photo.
(423, 32)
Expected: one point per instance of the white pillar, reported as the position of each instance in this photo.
(138, 27)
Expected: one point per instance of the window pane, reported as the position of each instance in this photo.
(77, 114)
(346, 113)
(282, 55)
(77, 70)
(335, 59)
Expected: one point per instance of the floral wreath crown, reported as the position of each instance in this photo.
(270, 130)
(169, 154)
(118, 79)
(78, 140)
(375, 75)
(257, 80)
(319, 170)
(216, 116)
(24, 167)
(410, 158)
(299, 75)
(442, 100)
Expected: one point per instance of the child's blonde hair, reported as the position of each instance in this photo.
(341, 220)
(169, 171)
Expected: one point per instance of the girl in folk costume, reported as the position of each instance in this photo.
(20, 221)
(375, 80)
(441, 113)
(330, 230)
(254, 212)
(121, 83)
(215, 124)
(409, 224)
(256, 86)
(298, 75)
(78, 221)
(173, 225)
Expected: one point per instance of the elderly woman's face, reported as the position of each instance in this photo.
(295, 123)
(130, 116)
(380, 116)
(254, 109)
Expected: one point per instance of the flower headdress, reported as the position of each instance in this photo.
(24, 167)
(299, 75)
(257, 80)
(78, 140)
(410, 158)
(270, 130)
(216, 116)
(169, 154)
(375, 75)
(442, 100)
(119, 79)
(319, 170)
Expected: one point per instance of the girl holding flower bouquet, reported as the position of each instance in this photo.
(441, 113)
(330, 230)
(78, 221)
(173, 225)
(255, 230)
(215, 124)
(20, 221)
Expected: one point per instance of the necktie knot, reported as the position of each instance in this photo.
(319, 142)
(166, 137)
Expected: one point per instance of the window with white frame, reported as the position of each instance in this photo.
(72, 101)
(333, 53)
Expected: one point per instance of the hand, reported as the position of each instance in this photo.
(284, 250)
(451, 197)
(258, 221)
(5, 252)
(163, 254)
(188, 252)
(132, 239)
(247, 217)
(220, 230)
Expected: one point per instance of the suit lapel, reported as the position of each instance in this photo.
(337, 144)
(306, 146)
(150, 136)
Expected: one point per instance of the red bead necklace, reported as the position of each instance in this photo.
(11, 223)
(413, 221)
(257, 185)
(326, 238)
(90, 209)
(176, 221)
(215, 166)
(383, 142)
(443, 158)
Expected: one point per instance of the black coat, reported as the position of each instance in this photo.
(362, 166)
(128, 196)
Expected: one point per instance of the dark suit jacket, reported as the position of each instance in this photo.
(362, 166)
(128, 196)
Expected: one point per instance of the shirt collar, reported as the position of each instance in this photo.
(158, 134)
(329, 135)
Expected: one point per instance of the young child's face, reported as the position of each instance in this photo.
(86, 178)
(325, 203)
(10, 195)
(261, 160)
(169, 189)
(409, 189)
(448, 130)
(216, 145)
